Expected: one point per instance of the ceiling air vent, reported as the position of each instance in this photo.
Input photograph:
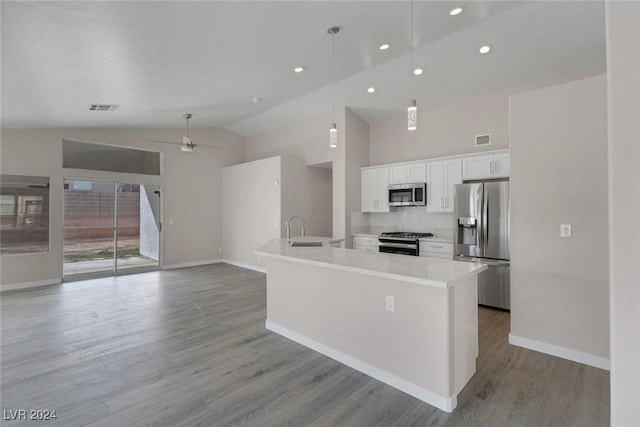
(483, 140)
(103, 107)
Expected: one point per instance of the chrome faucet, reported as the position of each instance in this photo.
(289, 226)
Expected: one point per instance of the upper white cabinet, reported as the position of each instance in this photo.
(375, 190)
(484, 166)
(442, 176)
(408, 173)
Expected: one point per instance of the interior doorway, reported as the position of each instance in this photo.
(110, 228)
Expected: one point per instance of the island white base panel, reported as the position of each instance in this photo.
(440, 402)
(427, 346)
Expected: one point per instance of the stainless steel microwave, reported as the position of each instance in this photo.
(414, 194)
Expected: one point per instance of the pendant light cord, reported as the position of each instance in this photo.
(333, 76)
(411, 70)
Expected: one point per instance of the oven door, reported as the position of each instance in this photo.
(395, 247)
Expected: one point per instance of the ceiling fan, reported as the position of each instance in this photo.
(187, 145)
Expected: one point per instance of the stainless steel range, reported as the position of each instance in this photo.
(399, 242)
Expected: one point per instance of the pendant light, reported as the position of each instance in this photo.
(333, 129)
(412, 111)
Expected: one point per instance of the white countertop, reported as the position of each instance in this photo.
(421, 270)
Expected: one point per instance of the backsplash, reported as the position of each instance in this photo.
(410, 218)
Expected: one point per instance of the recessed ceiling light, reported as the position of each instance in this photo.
(257, 99)
(417, 71)
(298, 69)
(384, 46)
(484, 49)
(371, 89)
(455, 11)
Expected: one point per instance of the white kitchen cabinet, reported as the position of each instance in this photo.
(502, 165)
(486, 166)
(365, 243)
(442, 177)
(436, 249)
(375, 190)
(407, 174)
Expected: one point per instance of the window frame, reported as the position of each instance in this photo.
(49, 228)
(124, 147)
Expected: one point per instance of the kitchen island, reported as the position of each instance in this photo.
(410, 322)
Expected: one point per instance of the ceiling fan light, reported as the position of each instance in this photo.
(187, 144)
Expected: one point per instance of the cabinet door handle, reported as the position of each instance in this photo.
(434, 246)
(497, 168)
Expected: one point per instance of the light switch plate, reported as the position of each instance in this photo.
(565, 230)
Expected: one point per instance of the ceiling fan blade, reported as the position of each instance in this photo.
(164, 142)
(215, 147)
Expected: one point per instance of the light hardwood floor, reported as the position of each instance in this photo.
(188, 347)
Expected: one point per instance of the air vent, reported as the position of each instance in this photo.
(483, 140)
(103, 107)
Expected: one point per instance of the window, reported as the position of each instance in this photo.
(102, 157)
(24, 214)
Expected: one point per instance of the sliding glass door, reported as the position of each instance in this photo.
(110, 228)
(137, 227)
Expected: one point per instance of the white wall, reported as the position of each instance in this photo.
(308, 140)
(307, 192)
(251, 209)
(356, 156)
(560, 286)
(191, 184)
(443, 131)
(320, 209)
(623, 79)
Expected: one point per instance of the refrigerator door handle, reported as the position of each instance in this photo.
(485, 221)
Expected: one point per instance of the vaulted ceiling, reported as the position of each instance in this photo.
(160, 59)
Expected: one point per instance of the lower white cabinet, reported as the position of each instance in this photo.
(436, 249)
(365, 243)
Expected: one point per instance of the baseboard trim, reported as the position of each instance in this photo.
(192, 264)
(26, 285)
(440, 402)
(243, 265)
(562, 352)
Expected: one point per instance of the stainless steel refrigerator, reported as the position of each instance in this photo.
(481, 234)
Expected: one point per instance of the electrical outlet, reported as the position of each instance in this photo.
(219, 250)
(565, 230)
(390, 303)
